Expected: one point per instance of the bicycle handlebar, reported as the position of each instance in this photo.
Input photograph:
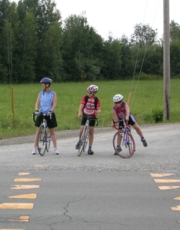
(34, 114)
(126, 125)
(91, 118)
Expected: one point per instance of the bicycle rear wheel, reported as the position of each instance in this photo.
(41, 140)
(83, 141)
(127, 144)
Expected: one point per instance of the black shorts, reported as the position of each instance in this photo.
(51, 123)
(131, 121)
(91, 121)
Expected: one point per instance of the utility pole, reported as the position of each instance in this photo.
(166, 62)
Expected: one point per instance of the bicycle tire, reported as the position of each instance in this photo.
(84, 140)
(48, 140)
(42, 140)
(128, 148)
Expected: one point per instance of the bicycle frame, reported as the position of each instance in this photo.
(43, 139)
(124, 139)
(85, 135)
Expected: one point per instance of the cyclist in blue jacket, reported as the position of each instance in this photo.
(46, 103)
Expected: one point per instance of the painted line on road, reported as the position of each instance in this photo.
(23, 173)
(27, 179)
(177, 208)
(24, 186)
(16, 206)
(161, 175)
(39, 166)
(168, 187)
(177, 198)
(165, 181)
(21, 219)
(24, 196)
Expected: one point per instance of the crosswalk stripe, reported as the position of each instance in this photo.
(165, 181)
(16, 206)
(27, 179)
(24, 196)
(168, 187)
(161, 175)
(24, 186)
(21, 219)
(177, 208)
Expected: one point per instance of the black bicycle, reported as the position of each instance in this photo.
(85, 135)
(43, 138)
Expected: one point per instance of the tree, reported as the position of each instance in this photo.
(112, 59)
(26, 49)
(81, 50)
(127, 58)
(51, 58)
(143, 35)
(175, 58)
(174, 31)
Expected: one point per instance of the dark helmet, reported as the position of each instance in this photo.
(46, 80)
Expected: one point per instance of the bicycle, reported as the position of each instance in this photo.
(85, 135)
(43, 138)
(124, 139)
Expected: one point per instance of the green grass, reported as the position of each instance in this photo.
(147, 97)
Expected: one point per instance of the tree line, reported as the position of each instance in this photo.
(35, 42)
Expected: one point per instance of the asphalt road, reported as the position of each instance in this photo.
(102, 191)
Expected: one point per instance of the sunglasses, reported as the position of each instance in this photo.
(90, 92)
(118, 102)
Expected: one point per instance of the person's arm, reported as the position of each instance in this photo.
(127, 112)
(98, 110)
(54, 102)
(115, 117)
(80, 111)
(37, 103)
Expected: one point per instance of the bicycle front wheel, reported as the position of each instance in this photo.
(127, 144)
(41, 140)
(83, 141)
(48, 140)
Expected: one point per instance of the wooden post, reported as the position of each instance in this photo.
(166, 62)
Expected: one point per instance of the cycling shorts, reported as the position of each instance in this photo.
(91, 121)
(51, 123)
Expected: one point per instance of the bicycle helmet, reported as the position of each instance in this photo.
(46, 80)
(92, 89)
(117, 98)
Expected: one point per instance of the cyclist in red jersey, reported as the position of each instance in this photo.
(121, 110)
(89, 108)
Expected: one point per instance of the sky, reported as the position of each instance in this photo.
(119, 17)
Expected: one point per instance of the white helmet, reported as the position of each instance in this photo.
(92, 89)
(117, 98)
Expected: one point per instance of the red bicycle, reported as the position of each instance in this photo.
(123, 141)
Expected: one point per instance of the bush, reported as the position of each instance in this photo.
(157, 115)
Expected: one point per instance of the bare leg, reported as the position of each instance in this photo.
(91, 135)
(81, 131)
(138, 130)
(119, 138)
(53, 136)
(35, 143)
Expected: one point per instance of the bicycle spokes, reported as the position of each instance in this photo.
(126, 142)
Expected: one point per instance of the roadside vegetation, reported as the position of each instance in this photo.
(146, 104)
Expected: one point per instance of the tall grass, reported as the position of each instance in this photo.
(147, 96)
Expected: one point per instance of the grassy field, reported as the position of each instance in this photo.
(147, 98)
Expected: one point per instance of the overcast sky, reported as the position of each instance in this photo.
(119, 17)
